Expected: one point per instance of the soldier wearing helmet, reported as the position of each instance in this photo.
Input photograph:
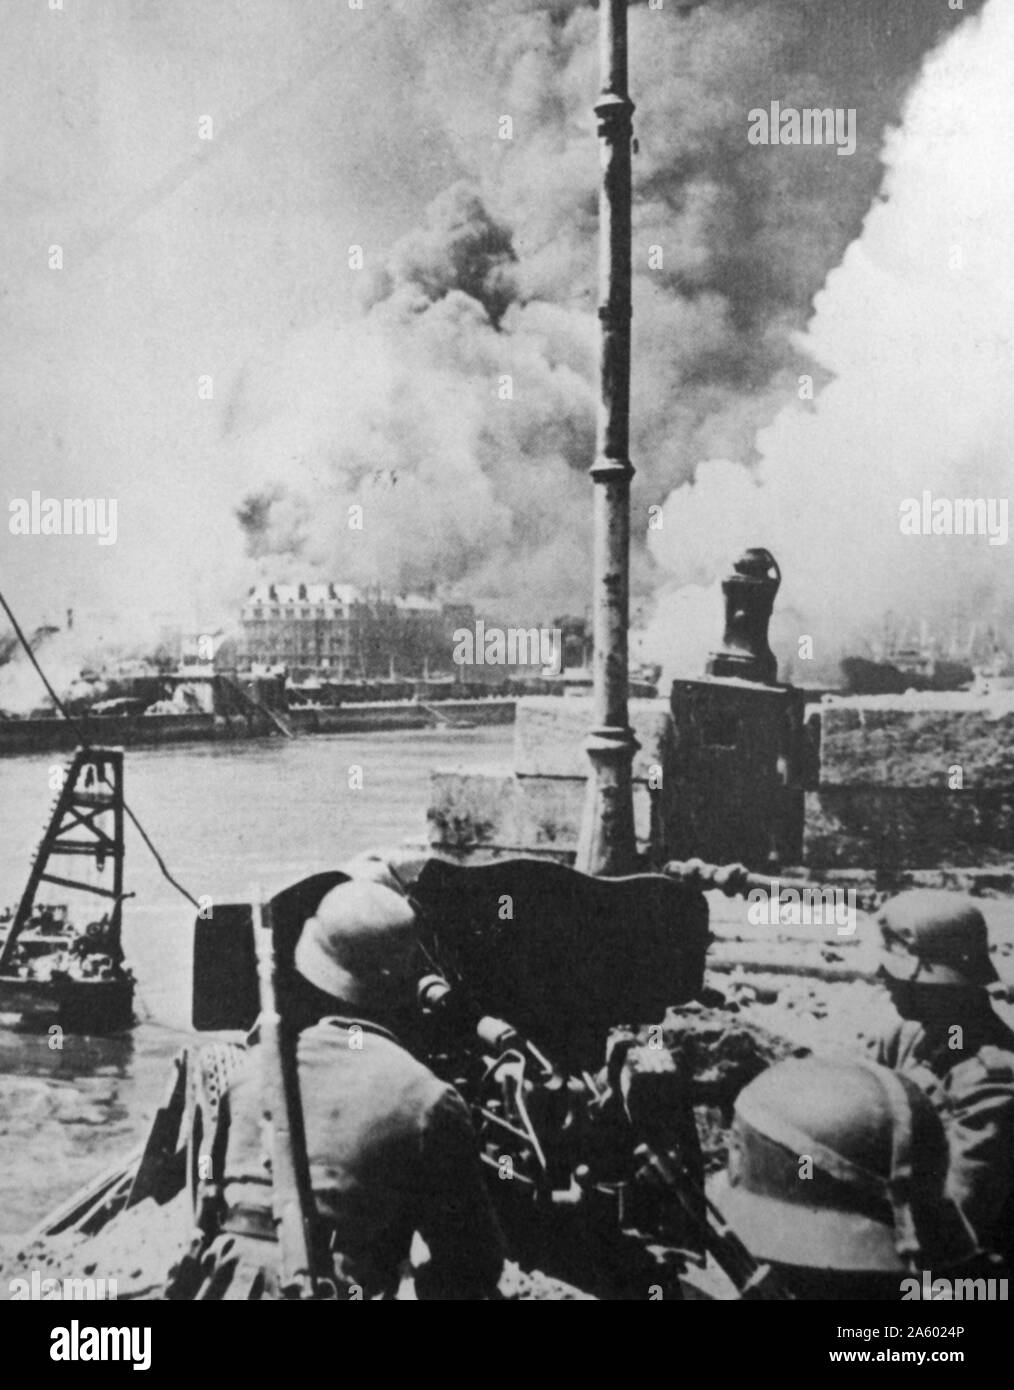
(836, 1178)
(390, 1147)
(950, 1042)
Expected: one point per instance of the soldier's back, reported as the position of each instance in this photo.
(367, 1104)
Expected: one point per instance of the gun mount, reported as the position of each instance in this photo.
(586, 1127)
(588, 1135)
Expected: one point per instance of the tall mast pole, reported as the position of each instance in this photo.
(607, 845)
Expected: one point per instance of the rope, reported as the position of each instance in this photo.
(163, 867)
(86, 743)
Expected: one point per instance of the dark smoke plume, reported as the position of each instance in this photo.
(498, 281)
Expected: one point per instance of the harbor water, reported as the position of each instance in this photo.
(225, 818)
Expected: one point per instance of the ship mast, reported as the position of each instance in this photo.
(607, 845)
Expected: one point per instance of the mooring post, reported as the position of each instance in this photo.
(607, 844)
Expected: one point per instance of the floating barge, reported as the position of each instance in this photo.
(23, 736)
(56, 968)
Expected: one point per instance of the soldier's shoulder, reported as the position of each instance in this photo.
(331, 1049)
(992, 1065)
(996, 1061)
(995, 1055)
(357, 1035)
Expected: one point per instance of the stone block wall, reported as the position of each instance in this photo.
(916, 781)
(536, 807)
(879, 783)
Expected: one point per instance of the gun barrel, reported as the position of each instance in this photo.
(736, 880)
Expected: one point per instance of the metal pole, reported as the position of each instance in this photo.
(607, 845)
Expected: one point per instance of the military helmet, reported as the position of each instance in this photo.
(871, 1196)
(934, 937)
(395, 868)
(360, 943)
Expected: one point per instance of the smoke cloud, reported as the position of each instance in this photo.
(730, 245)
(447, 388)
(913, 333)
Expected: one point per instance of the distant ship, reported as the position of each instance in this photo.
(899, 665)
(906, 671)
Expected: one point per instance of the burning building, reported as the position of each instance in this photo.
(348, 633)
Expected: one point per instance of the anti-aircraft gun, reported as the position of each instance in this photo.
(587, 1129)
(542, 1006)
(532, 965)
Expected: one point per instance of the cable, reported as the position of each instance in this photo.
(163, 867)
(42, 675)
(86, 743)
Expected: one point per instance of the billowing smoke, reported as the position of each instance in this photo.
(457, 418)
(913, 331)
(74, 658)
(447, 388)
(63, 659)
(460, 406)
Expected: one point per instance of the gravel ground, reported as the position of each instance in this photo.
(138, 1248)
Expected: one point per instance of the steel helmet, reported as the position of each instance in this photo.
(360, 943)
(933, 937)
(396, 868)
(871, 1198)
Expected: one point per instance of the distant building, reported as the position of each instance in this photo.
(346, 633)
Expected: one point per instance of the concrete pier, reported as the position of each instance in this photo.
(535, 805)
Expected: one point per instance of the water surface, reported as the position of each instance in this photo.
(224, 817)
